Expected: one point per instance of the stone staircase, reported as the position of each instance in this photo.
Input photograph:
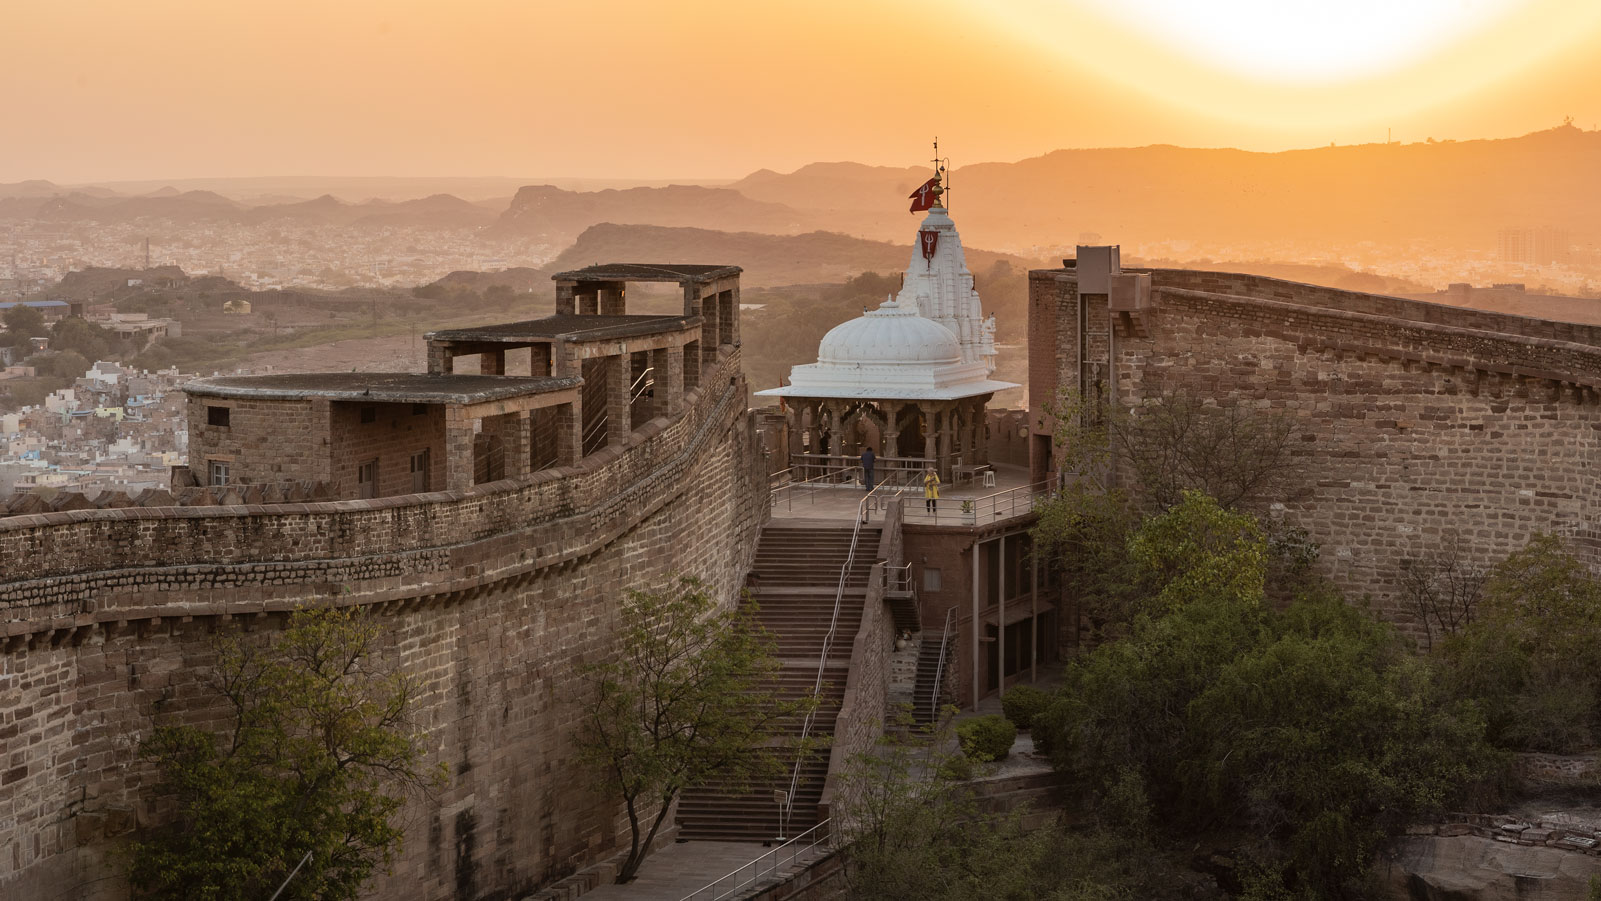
(925, 704)
(797, 572)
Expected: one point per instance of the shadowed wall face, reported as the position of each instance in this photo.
(1416, 428)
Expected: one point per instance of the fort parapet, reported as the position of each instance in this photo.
(1418, 426)
(491, 594)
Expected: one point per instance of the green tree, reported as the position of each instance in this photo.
(1531, 658)
(690, 693)
(1311, 731)
(23, 323)
(65, 365)
(915, 830)
(312, 769)
(91, 341)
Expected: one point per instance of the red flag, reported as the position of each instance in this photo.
(923, 198)
(930, 242)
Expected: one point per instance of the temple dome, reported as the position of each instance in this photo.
(887, 336)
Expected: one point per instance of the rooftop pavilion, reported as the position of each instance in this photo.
(594, 374)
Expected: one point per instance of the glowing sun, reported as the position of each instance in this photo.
(1308, 40)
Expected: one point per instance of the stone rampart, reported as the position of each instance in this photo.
(492, 597)
(1417, 426)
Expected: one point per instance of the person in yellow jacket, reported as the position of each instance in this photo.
(931, 489)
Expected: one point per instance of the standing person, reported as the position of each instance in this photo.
(931, 490)
(867, 467)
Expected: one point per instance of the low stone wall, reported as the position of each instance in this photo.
(72, 569)
(1557, 769)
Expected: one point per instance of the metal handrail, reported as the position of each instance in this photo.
(822, 665)
(811, 838)
(939, 671)
(988, 507)
(900, 582)
(812, 484)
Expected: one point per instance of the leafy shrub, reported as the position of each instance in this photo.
(1531, 658)
(1022, 703)
(986, 738)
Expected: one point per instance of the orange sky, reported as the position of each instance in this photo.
(109, 89)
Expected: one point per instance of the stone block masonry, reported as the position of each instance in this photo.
(492, 597)
(1417, 426)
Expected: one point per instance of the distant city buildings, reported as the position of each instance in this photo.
(114, 429)
(1533, 246)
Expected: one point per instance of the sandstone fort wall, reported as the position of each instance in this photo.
(492, 597)
(1417, 426)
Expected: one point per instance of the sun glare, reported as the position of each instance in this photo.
(1307, 40)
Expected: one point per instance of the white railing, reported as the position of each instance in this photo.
(980, 510)
(804, 848)
(939, 671)
(802, 750)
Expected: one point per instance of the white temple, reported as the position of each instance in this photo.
(911, 378)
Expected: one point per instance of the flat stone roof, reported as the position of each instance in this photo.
(576, 326)
(378, 387)
(648, 272)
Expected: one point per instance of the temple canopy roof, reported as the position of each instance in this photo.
(890, 353)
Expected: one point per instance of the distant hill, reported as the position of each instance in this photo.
(436, 211)
(518, 278)
(560, 215)
(812, 258)
(1450, 193)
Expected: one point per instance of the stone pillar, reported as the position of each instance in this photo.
(589, 302)
(613, 299)
(692, 366)
(795, 417)
(669, 365)
(565, 362)
(618, 424)
(570, 432)
(930, 435)
(892, 430)
(566, 299)
(539, 360)
(982, 439)
(946, 440)
(458, 449)
(441, 358)
(733, 296)
(492, 362)
(516, 438)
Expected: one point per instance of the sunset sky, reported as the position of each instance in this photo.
(109, 89)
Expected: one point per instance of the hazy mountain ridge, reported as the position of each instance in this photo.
(1457, 192)
(811, 258)
(562, 215)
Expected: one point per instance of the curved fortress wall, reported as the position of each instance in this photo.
(491, 596)
(1419, 426)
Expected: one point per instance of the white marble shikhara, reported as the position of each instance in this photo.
(942, 289)
(931, 342)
